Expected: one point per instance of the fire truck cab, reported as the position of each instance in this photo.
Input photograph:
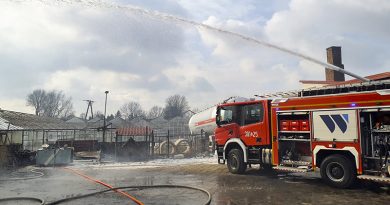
(342, 131)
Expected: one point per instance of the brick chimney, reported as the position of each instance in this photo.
(334, 57)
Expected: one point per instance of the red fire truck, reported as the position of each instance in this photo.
(343, 131)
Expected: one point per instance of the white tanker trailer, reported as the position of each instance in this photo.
(204, 120)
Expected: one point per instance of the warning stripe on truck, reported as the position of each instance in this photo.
(205, 122)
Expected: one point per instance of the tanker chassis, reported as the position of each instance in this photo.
(342, 131)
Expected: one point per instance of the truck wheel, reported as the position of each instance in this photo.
(338, 171)
(235, 161)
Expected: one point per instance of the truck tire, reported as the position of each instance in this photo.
(338, 171)
(235, 161)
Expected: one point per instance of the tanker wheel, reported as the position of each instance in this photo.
(235, 161)
(338, 171)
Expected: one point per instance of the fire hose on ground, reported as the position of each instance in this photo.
(110, 188)
(42, 202)
(37, 174)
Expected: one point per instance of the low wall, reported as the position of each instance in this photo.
(80, 145)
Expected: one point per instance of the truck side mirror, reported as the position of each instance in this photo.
(218, 117)
(218, 121)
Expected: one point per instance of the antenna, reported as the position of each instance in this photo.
(89, 102)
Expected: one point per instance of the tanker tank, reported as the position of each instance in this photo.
(204, 120)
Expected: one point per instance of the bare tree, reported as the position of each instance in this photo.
(175, 106)
(57, 105)
(98, 114)
(118, 114)
(110, 117)
(155, 112)
(50, 104)
(132, 110)
(37, 100)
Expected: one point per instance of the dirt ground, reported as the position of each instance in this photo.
(255, 187)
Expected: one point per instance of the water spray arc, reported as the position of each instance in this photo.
(163, 16)
(285, 50)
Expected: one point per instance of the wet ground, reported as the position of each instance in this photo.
(256, 187)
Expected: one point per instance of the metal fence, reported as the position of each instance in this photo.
(148, 144)
(159, 145)
(195, 144)
(34, 139)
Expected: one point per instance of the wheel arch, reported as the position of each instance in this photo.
(321, 152)
(235, 143)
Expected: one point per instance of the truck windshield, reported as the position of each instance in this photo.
(241, 114)
(228, 115)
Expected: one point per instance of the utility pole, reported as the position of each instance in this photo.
(90, 102)
(104, 120)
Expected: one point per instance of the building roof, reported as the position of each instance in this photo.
(118, 122)
(77, 122)
(316, 82)
(133, 131)
(139, 122)
(5, 125)
(95, 123)
(95, 119)
(375, 77)
(11, 120)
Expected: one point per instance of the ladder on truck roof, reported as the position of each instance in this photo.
(347, 88)
(333, 89)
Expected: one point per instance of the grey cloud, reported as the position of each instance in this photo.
(360, 28)
(157, 83)
(201, 84)
(108, 40)
(125, 43)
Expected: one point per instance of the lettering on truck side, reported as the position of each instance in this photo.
(251, 134)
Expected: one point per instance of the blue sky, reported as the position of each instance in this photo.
(85, 49)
